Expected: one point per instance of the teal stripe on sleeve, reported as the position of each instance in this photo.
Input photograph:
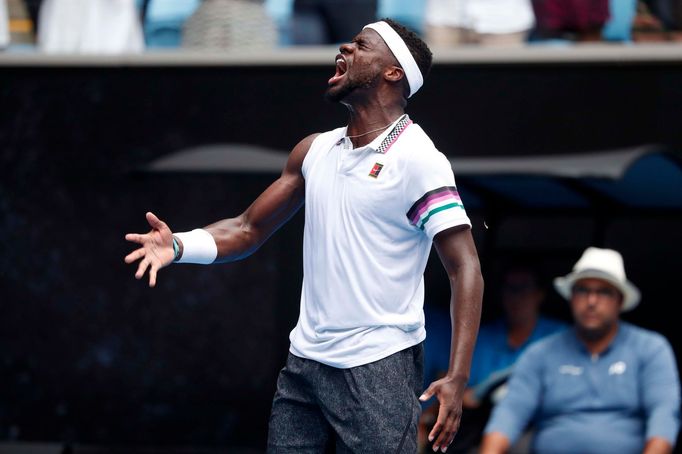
(437, 210)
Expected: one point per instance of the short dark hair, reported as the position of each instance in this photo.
(526, 265)
(418, 48)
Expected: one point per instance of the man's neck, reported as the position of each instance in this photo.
(519, 332)
(597, 341)
(365, 125)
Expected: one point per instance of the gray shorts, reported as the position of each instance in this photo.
(364, 409)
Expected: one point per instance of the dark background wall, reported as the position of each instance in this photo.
(89, 355)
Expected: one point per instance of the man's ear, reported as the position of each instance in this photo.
(394, 73)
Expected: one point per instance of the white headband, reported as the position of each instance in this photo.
(401, 52)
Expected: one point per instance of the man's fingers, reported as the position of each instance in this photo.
(152, 275)
(442, 443)
(426, 395)
(154, 222)
(149, 252)
(435, 436)
(444, 430)
(134, 237)
(435, 431)
(136, 254)
(447, 434)
(142, 267)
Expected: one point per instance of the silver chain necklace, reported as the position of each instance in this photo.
(374, 130)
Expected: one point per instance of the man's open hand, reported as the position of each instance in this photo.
(156, 249)
(449, 396)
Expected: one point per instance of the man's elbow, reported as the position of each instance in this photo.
(494, 443)
(657, 445)
(470, 266)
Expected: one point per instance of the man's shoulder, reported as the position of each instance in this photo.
(550, 324)
(319, 139)
(414, 134)
(417, 148)
(553, 342)
(643, 338)
(336, 133)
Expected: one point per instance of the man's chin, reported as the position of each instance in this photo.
(339, 93)
(594, 331)
(333, 95)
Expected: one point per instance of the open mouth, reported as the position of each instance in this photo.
(341, 68)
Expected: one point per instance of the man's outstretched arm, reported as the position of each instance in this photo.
(457, 251)
(234, 238)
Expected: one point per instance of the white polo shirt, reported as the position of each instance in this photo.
(370, 216)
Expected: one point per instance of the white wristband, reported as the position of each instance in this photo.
(198, 246)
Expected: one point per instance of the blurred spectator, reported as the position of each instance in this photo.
(32, 9)
(280, 11)
(570, 20)
(90, 26)
(163, 20)
(621, 19)
(646, 25)
(676, 24)
(499, 344)
(17, 28)
(4, 25)
(638, 20)
(407, 12)
(604, 386)
(487, 22)
(669, 12)
(658, 20)
(322, 22)
(230, 24)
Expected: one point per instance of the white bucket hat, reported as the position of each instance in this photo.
(605, 264)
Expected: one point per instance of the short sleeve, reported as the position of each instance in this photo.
(435, 204)
(661, 390)
(524, 390)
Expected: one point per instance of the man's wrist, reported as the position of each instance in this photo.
(177, 249)
(196, 246)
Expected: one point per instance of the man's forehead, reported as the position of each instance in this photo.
(371, 36)
(374, 39)
(594, 282)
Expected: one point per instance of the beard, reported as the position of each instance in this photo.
(362, 81)
(595, 332)
(592, 334)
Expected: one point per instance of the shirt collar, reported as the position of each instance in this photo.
(384, 140)
(382, 143)
(616, 341)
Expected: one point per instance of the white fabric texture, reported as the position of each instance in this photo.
(4, 25)
(363, 260)
(90, 27)
(482, 16)
(198, 246)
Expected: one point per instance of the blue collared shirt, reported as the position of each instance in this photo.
(493, 352)
(611, 402)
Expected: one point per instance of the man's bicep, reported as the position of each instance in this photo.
(284, 197)
(240, 236)
(294, 165)
(275, 205)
